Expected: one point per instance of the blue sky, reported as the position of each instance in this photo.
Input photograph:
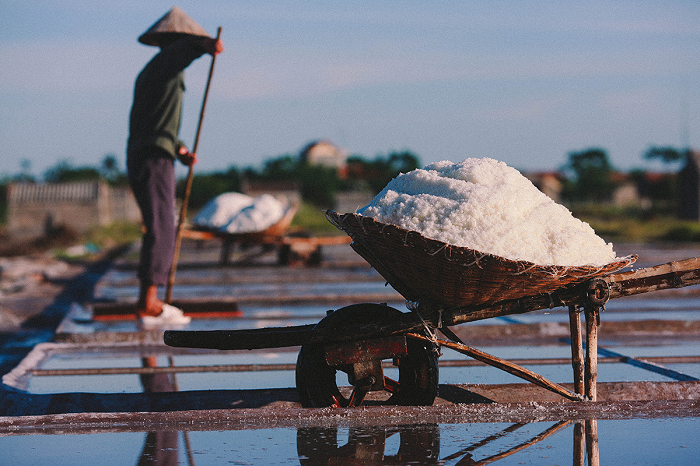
(525, 82)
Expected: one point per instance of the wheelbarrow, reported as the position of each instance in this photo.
(292, 246)
(444, 285)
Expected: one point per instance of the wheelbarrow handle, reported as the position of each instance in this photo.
(280, 337)
(676, 274)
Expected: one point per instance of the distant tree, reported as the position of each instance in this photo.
(591, 179)
(24, 176)
(664, 154)
(318, 183)
(110, 171)
(3, 202)
(660, 188)
(64, 172)
(402, 162)
(282, 167)
(206, 186)
(26, 165)
(382, 169)
(110, 167)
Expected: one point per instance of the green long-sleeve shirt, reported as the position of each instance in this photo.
(157, 107)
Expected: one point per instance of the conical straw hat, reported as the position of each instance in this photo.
(175, 23)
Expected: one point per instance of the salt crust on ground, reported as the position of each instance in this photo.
(239, 213)
(485, 205)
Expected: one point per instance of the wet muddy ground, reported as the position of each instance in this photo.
(79, 391)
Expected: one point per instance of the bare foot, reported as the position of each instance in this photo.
(148, 303)
(151, 309)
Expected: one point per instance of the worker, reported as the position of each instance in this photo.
(152, 148)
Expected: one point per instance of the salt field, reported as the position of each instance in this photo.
(89, 394)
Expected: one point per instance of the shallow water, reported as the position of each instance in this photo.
(643, 442)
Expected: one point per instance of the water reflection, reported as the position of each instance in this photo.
(160, 447)
(368, 445)
(333, 441)
(466, 453)
(420, 444)
(381, 445)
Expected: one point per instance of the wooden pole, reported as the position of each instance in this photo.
(576, 348)
(591, 366)
(188, 188)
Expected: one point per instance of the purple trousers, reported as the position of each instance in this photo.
(152, 178)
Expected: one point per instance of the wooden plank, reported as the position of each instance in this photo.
(200, 235)
(315, 241)
(208, 235)
(119, 310)
(292, 366)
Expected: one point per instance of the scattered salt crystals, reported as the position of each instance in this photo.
(485, 205)
(21, 273)
(239, 213)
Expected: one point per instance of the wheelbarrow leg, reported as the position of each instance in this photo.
(591, 367)
(576, 348)
(226, 248)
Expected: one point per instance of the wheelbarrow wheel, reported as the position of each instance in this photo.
(417, 383)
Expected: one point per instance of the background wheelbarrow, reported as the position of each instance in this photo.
(292, 246)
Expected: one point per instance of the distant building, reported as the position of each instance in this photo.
(37, 209)
(549, 183)
(325, 153)
(689, 187)
(626, 192)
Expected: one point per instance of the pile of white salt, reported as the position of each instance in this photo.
(485, 205)
(239, 213)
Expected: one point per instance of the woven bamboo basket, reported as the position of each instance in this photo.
(423, 269)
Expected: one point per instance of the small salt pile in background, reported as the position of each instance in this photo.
(239, 213)
(485, 205)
